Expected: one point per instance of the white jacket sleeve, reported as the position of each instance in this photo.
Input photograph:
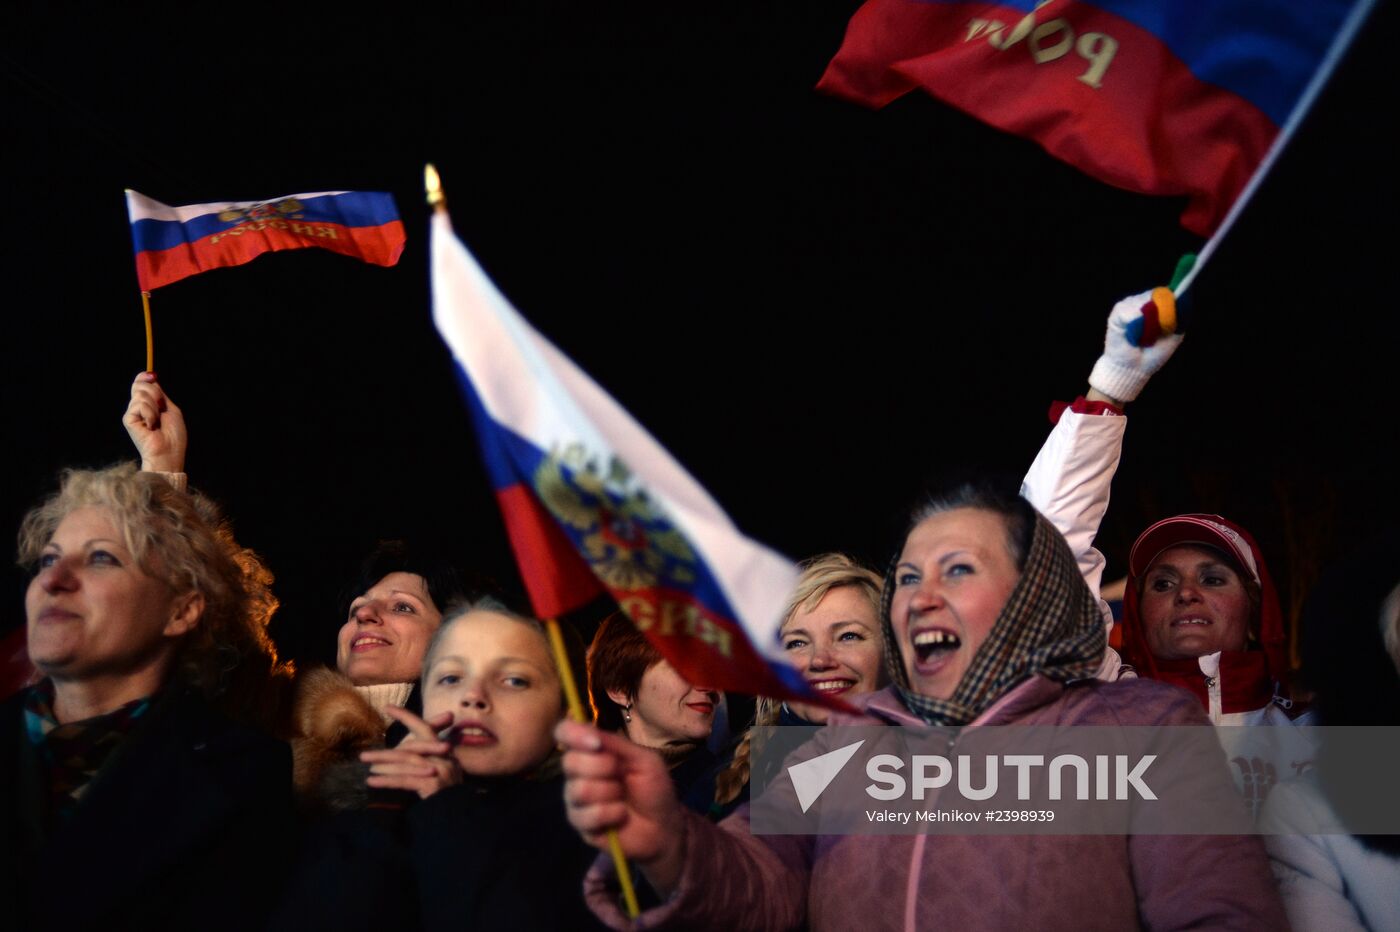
(1312, 870)
(1069, 484)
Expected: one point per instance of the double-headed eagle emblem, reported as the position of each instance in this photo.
(287, 208)
(620, 531)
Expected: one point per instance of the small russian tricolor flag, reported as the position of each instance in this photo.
(175, 242)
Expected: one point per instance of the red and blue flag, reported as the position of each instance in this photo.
(175, 242)
(1170, 98)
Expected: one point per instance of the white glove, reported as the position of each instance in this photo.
(1141, 337)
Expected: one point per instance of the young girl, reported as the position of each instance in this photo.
(483, 841)
(491, 698)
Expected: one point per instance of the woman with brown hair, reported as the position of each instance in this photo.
(636, 693)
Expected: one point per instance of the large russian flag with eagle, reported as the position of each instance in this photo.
(593, 503)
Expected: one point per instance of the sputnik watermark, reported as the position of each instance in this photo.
(961, 815)
(933, 772)
(1113, 777)
(1098, 780)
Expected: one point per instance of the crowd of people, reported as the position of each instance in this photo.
(165, 769)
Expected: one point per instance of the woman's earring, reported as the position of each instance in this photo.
(627, 712)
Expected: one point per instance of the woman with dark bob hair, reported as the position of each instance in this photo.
(636, 693)
(395, 608)
(128, 799)
(987, 621)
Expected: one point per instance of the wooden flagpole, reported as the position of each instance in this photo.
(150, 344)
(571, 695)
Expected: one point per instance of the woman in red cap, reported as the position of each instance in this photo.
(1200, 611)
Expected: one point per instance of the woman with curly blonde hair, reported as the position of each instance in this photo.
(119, 777)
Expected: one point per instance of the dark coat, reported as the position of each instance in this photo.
(496, 854)
(189, 826)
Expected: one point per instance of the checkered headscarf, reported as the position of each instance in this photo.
(1050, 625)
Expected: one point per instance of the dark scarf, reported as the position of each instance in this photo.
(1050, 625)
(74, 753)
(676, 754)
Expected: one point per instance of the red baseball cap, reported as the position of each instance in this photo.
(1207, 530)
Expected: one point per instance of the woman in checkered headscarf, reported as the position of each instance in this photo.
(987, 621)
(983, 595)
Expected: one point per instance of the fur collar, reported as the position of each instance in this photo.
(334, 723)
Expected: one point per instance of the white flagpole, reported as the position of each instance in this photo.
(1350, 27)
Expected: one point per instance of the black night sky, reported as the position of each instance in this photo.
(817, 308)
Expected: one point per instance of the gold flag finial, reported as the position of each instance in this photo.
(433, 184)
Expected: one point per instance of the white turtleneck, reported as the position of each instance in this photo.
(380, 695)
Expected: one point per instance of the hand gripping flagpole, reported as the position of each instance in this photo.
(438, 202)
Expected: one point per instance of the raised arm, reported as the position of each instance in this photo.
(1070, 478)
(156, 427)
